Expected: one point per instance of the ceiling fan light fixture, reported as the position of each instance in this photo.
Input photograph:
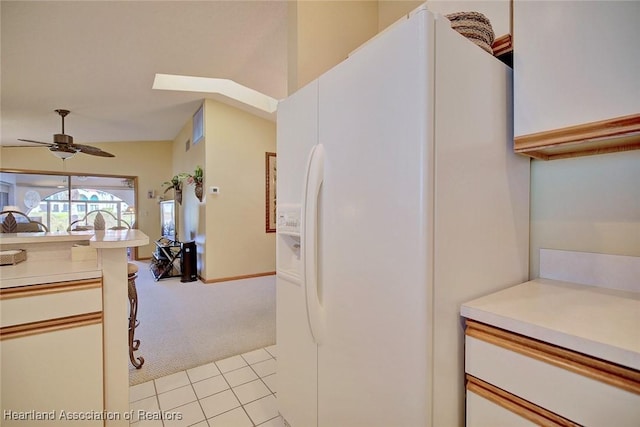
(64, 155)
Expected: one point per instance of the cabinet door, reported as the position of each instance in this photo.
(574, 62)
(52, 372)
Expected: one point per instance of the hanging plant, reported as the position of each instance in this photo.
(196, 179)
(175, 183)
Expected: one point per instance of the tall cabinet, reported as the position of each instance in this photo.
(576, 86)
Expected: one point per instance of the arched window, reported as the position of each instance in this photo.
(58, 210)
(56, 199)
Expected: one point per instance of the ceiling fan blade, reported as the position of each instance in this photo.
(94, 151)
(64, 143)
(35, 142)
(23, 146)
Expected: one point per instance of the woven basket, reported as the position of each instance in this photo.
(474, 26)
(12, 257)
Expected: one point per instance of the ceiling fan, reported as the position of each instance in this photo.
(63, 146)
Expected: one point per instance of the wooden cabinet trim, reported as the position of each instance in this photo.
(502, 45)
(604, 136)
(606, 372)
(518, 406)
(49, 288)
(50, 325)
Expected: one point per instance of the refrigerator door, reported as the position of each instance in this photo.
(297, 134)
(373, 232)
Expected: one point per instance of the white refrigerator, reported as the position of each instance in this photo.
(399, 198)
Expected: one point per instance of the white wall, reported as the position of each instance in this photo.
(323, 33)
(229, 227)
(589, 204)
(236, 241)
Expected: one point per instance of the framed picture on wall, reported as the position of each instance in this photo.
(270, 191)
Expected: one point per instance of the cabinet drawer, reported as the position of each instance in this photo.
(490, 406)
(38, 303)
(586, 391)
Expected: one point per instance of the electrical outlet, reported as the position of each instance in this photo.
(214, 190)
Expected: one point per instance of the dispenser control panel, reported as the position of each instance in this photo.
(288, 221)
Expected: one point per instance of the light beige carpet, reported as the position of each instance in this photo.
(184, 325)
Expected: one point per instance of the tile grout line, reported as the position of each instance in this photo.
(197, 399)
(242, 405)
(158, 399)
(265, 384)
(260, 378)
(234, 393)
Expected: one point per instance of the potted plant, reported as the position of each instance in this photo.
(196, 179)
(176, 184)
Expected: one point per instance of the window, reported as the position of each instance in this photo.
(66, 198)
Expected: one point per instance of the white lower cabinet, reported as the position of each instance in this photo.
(513, 380)
(52, 367)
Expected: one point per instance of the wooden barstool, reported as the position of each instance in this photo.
(100, 224)
(134, 344)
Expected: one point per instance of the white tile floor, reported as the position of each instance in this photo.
(239, 391)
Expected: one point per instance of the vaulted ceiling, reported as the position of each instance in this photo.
(99, 58)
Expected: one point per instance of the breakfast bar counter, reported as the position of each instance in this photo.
(64, 327)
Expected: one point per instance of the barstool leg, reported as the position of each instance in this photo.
(134, 344)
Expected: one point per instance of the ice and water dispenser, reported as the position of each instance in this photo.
(288, 224)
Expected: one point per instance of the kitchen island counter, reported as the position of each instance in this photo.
(69, 300)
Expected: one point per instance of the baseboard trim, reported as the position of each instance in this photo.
(245, 276)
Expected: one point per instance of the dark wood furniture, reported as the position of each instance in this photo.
(166, 259)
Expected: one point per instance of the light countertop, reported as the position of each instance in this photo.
(603, 323)
(96, 239)
(56, 270)
(49, 255)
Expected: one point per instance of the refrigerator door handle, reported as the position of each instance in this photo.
(314, 177)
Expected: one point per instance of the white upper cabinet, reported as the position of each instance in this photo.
(576, 63)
